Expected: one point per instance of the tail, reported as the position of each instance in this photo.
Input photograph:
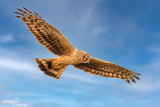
(48, 66)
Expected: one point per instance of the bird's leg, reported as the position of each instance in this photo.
(58, 65)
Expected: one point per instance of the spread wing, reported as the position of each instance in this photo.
(107, 69)
(46, 34)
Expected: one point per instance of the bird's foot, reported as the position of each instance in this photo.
(58, 65)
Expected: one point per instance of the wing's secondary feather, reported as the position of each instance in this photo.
(46, 34)
(107, 69)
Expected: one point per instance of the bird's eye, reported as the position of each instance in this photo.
(85, 58)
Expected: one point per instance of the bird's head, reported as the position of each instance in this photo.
(85, 57)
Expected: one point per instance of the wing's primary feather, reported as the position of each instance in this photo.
(46, 34)
(107, 69)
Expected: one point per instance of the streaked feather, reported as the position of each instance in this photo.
(46, 34)
(107, 69)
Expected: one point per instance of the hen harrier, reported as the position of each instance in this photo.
(56, 43)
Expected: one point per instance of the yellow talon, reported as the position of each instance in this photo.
(58, 65)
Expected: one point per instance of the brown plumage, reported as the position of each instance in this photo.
(46, 34)
(107, 69)
(56, 43)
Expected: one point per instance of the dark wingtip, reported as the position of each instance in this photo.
(19, 16)
(24, 8)
(18, 9)
(16, 12)
(138, 78)
(127, 80)
(134, 81)
(135, 72)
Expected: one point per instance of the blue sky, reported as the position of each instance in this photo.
(125, 32)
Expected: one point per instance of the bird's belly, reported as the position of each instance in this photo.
(68, 60)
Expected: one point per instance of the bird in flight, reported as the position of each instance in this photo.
(56, 43)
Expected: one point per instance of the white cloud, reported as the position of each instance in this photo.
(69, 90)
(144, 86)
(13, 64)
(12, 61)
(6, 38)
(149, 80)
(9, 53)
(79, 77)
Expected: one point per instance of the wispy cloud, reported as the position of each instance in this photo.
(150, 81)
(98, 30)
(154, 49)
(152, 68)
(11, 60)
(6, 38)
(79, 77)
(13, 64)
(3, 86)
(126, 32)
(145, 85)
(87, 14)
(69, 90)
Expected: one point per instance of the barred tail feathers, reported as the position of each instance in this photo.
(48, 67)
